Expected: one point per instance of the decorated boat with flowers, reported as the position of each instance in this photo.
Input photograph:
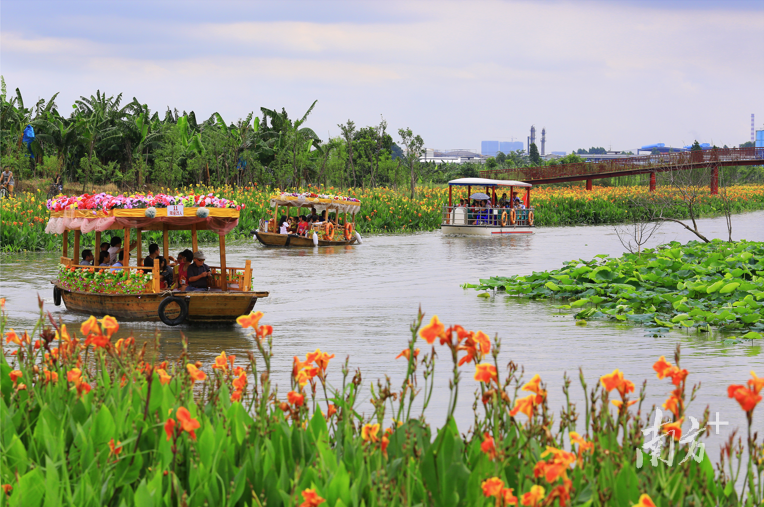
(335, 225)
(135, 292)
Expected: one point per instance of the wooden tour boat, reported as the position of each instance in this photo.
(133, 292)
(516, 216)
(333, 231)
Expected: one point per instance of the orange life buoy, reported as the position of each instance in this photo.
(530, 218)
(348, 231)
(504, 219)
(512, 217)
(329, 231)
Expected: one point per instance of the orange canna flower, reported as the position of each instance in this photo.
(384, 443)
(534, 496)
(311, 498)
(556, 467)
(110, 324)
(115, 449)
(236, 396)
(508, 497)
(433, 330)
(50, 376)
(747, 398)
(169, 428)
(483, 341)
(164, 378)
(188, 424)
(98, 341)
(264, 331)
(756, 383)
(369, 432)
(525, 405)
(250, 320)
(7, 488)
(90, 326)
(74, 375)
(322, 361)
(306, 374)
(485, 372)
(83, 388)
(534, 386)
(64, 335)
(11, 336)
(195, 373)
(241, 382)
(407, 354)
(15, 375)
(619, 403)
(295, 399)
(674, 429)
(673, 404)
(332, 410)
(644, 501)
(231, 359)
(488, 446)
(612, 381)
(582, 444)
(661, 367)
(492, 487)
(221, 362)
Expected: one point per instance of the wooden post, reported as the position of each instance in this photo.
(97, 249)
(589, 184)
(139, 247)
(76, 253)
(224, 272)
(528, 197)
(65, 243)
(450, 188)
(493, 202)
(276, 219)
(652, 181)
(247, 285)
(126, 247)
(715, 180)
(194, 245)
(165, 241)
(155, 280)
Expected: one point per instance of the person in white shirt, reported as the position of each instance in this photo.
(284, 228)
(114, 249)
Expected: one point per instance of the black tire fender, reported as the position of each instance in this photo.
(183, 310)
(56, 295)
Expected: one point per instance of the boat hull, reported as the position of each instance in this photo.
(479, 230)
(203, 307)
(290, 240)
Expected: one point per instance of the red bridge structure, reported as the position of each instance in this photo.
(713, 159)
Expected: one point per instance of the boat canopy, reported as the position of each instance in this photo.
(321, 202)
(485, 182)
(104, 212)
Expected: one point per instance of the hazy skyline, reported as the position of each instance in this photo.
(617, 74)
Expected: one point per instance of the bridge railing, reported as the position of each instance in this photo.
(637, 164)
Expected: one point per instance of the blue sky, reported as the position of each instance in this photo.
(618, 74)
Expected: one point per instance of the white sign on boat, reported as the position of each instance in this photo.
(174, 211)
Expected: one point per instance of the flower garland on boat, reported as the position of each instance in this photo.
(311, 195)
(106, 202)
(103, 281)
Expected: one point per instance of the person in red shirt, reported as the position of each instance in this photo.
(303, 227)
(185, 258)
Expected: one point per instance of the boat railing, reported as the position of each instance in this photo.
(487, 217)
(237, 280)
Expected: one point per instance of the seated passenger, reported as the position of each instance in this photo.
(104, 247)
(103, 258)
(199, 273)
(503, 201)
(293, 225)
(185, 258)
(87, 258)
(120, 258)
(313, 215)
(303, 226)
(283, 225)
(166, 274)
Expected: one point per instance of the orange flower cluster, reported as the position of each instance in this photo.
(252, 320)
(99, 336)
(476, 345)
(75, 377)
(675, 402)
(616, 381)
(185, 423)
(747, 397)
(311, 498)
(528, 404)
(495, 487)
(304, 371)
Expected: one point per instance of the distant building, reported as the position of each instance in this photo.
(559, 153)
(660, 148)
(489, 148)
(452, 156)
(507, 147)
(760, 138)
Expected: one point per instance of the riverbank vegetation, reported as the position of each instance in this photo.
(94, 418)
(697, 286)
(383, 210)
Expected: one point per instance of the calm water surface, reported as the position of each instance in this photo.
(360, 301)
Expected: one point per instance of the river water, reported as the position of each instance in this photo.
(360, 301)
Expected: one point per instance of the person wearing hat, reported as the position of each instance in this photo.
(198, 273)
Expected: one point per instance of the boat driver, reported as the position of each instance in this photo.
(199, 274)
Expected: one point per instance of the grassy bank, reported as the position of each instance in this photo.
(694, 286)
(93, 420)
(383, 210)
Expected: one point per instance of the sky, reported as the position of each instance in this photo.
(617, 74)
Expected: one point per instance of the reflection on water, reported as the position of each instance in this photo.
(360, 301)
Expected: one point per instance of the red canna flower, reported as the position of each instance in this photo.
(83, 388)
(674, 429)
(15, 375)
(488, 446)
(747, 398)
(508, 497)
(311, 498)
(195, 373)
(250, 320)
(169, 428)
(661, 367)
(485, 372)
(534, 496)
(7, 488)
(241, 382)
(236, 396)
(98, 341)
(188, 424)
(295, 399)
(433, 330)
(115, 449)
(645, 501)
(492, 487)
(264, 331)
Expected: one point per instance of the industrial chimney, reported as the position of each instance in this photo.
(533, 136)
(543, 140)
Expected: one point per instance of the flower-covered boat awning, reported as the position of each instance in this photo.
(219, 220)
(321, 202)
(101, 212)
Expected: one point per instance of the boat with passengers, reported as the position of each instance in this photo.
(482, 213)
(324, 224)
(135, 292)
